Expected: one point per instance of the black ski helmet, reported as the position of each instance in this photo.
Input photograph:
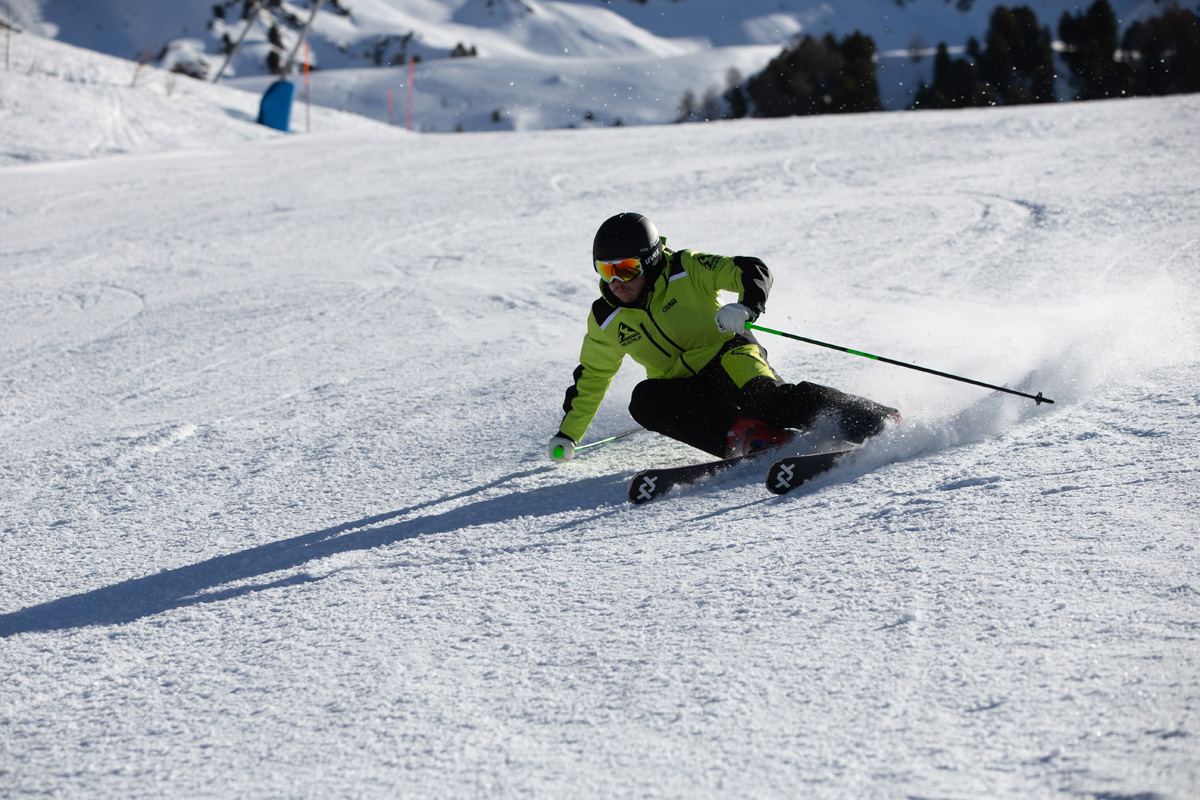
(628, 235)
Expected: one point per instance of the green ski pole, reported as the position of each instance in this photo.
(558, 450)
(1036, 398)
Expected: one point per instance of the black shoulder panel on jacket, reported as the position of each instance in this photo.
(602, 310)
(674, 263)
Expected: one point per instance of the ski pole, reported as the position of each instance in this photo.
(1036, 398)
(602, 441)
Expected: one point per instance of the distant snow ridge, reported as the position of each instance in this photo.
(485, 13)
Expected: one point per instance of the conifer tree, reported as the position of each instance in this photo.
(1018, 63)
(735, 96)
(956, 82)
(1164, 53)
(818, 76)
(1090, 39)
(1016, 66)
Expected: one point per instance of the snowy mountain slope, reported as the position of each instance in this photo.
(523, 45)
(62, 102)
(275, 518)
(126, 27)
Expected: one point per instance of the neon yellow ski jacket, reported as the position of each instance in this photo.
(671, 332)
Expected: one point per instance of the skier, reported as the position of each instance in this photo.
(708, 382)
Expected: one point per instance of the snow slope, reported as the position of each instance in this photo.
(62, 102)
(276, 520)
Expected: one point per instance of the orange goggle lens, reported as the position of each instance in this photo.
(627, 269)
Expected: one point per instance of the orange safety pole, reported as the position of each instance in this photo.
(412, 71)
(307, 98)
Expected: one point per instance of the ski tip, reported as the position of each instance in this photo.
(643, 488)
(788, 473)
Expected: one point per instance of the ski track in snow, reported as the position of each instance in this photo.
(277, 519)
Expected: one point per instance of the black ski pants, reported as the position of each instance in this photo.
(700, 409)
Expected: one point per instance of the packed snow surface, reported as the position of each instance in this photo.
(276, 518)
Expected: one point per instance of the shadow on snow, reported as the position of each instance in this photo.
(199, 583)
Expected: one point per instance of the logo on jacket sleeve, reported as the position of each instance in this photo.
(627, 335)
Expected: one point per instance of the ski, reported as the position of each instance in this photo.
(651, 483)
(788, 473)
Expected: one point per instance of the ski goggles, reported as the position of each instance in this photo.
(624, 270)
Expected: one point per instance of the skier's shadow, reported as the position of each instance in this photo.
(201, 583)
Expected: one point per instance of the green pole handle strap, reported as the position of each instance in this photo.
(1038, 399)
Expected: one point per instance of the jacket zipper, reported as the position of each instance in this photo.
(661, 349)
(658, 328)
